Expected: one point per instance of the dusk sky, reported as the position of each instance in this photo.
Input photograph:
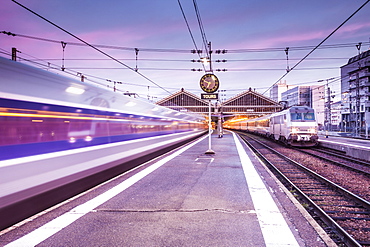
(247, 29)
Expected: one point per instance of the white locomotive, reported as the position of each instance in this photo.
(296, 126)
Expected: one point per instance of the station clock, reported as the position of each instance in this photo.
(209, 83)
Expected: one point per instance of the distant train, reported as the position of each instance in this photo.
(56, 131)
(296, 126)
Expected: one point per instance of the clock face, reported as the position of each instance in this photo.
(209, 83)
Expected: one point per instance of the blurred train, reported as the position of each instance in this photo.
(296, 126)
(58, 134)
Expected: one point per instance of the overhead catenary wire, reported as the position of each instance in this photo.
(96, 45)
(74, 73)
(200, 70)
(191, 34)
(202, 32)
(73, 70)
(187, 51)
(167, 50)
(317, 46)
(92, 46)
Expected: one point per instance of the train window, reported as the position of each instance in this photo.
(296, 116)
(309, 116)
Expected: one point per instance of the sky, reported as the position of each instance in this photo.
(152, 42)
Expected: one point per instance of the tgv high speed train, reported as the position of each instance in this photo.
(56, 132)
(296, 126)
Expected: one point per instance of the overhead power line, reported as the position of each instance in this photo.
(196, 50)
(98, 45)
(202, 32)
(297, 48)
(191, 34)
(92, 46)
(344, 22)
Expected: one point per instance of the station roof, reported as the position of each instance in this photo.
(246, 103)
(185, 101)
(250, 98)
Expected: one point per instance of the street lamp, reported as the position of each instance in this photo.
(327, 121)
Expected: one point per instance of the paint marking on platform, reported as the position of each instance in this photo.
(275, 230)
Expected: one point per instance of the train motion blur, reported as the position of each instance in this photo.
(296, 126)
(56, 131)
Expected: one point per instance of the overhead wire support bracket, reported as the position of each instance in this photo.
(64, 44)
(287, 59)
(358, 46)
(136, 53)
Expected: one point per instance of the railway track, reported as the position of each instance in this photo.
(360, 166)
(345, 215)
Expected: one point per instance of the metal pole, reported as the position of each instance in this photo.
(210, 57)
(209, 151)
(358, 98)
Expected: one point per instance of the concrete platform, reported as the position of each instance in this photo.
(356, 148)
(186, 198)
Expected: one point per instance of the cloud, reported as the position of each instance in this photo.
(358, 27)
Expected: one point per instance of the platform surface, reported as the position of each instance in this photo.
(186, 198)
(353, 147)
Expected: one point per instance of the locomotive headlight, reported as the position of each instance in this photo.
(295, 130)
(312, 130)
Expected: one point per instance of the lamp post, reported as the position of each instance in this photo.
(327, 121)
(209, 83)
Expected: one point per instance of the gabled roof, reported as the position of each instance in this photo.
(182, 98)
(250, 98)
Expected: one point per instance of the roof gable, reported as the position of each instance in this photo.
(182, 98)
(250, 98)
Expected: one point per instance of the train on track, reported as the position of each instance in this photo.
(58, 134)
(295, 126)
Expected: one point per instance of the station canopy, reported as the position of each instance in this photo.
(248, 103)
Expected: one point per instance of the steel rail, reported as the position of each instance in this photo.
(338, 163)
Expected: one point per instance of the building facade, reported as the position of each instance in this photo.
(277, 90)
(335, 115)
(355, 93)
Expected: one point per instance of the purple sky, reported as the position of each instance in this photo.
(232, 25)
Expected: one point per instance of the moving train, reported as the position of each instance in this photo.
(296, 126)
(58, 134)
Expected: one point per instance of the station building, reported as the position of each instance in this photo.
(246, 104)
(278, 89)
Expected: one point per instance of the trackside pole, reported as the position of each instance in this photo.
(209, 151)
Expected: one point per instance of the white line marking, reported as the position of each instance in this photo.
(207, 159)
(42, 233)
(275, 230)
